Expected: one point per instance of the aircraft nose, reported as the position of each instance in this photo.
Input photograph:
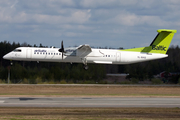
(7, 56)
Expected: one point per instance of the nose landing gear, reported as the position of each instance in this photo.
(11, 63)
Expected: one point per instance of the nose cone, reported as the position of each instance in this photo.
(7, 56)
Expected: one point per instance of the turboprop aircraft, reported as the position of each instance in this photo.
(85, 54)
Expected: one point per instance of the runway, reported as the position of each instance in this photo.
(89, 102)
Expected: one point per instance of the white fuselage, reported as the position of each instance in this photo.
(101, 56)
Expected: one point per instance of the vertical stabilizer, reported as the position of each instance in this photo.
(162, 41)
(160, 44)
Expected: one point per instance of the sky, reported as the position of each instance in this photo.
(98, 23)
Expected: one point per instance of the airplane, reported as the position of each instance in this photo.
(85, 54)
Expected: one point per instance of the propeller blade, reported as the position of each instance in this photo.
(62, 49)
(62, 46)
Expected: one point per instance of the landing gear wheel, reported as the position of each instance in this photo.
(84, 60)
(86, 67)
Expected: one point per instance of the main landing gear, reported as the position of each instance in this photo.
(84, 60)
(86, 67)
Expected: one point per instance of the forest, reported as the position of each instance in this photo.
(52, 73)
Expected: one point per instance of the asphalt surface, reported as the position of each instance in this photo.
(89, 102)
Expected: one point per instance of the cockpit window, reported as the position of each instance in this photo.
(17, 50)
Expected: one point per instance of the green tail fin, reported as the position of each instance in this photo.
(160, 43)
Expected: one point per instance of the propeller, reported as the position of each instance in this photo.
(62, 49)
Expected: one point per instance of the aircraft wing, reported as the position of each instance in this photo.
(83, 50)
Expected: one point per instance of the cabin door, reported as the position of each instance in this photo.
(118, 57)
(28, 53)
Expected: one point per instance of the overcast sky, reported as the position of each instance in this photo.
(112, 23)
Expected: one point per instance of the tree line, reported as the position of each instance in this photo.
(33, 72)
